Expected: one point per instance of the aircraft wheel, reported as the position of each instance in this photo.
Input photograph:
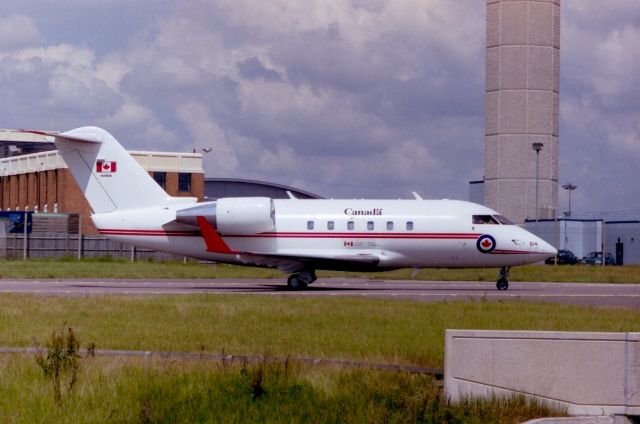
(308, 276)
(502, 284)
(294, 282)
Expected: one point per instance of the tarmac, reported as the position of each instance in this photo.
(592, 294)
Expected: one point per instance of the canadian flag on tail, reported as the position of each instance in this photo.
(103, 166)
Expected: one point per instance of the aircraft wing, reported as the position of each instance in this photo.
(287, 262)
(290, 263)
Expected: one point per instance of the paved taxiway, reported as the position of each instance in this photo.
(626, 295)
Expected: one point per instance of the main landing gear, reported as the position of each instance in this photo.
(300, 280)
(503, 280)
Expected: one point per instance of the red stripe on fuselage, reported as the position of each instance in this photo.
(163, 233)
(463, 236)
(512, 252)
(159, 233)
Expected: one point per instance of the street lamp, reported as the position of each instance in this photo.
(537, 147)
(570, 187)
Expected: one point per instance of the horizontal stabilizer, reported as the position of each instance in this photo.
(84, 138)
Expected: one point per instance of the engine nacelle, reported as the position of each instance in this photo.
(245, 215)
(233, 215)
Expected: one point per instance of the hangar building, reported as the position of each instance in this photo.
(215, 188)
(619, 237)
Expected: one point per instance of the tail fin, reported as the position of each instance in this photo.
(106, 173)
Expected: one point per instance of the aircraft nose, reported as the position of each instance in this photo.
(545, 248)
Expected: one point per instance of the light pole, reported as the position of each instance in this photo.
(570, 187)
(537, 147)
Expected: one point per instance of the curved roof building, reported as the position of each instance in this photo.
(215, 188)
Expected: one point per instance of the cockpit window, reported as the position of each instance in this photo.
(491, 220)
(484, 219)
(503, 220)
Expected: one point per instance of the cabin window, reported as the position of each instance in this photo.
(369, 225)
(309, 225)
(389, 225)
(350, 225)
(484, 219)
(330, 225)
(409, 225)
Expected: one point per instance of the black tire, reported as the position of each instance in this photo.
(502, 284)
(308, 276)
(294, 282)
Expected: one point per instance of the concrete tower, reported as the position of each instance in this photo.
(522, 107)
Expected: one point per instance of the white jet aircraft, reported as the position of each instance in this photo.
(297, 236)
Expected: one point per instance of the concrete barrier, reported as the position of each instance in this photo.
(575, 420)
(588, 373)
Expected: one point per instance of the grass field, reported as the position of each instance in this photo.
(112, 268)
(109, 391)
(125, 390)
(350, 328)
(387, 331)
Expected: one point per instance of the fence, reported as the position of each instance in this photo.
(59, 235)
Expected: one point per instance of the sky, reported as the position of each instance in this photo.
(343, 98)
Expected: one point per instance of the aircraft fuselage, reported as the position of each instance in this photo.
(401, 233)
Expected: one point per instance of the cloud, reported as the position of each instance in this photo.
(599, 17)
(252, 68)
(600, 104)
(347, 98)
(18, 31)
(205, 132)
(312, 92)
(54, 87)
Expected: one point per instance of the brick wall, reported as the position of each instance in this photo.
(52, 189)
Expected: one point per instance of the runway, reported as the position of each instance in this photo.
(622, 295)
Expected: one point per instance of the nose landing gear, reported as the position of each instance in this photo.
(503, 280)
(300, 280)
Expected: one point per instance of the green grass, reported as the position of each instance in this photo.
(173, 392)
(121, 268)
(169, 390)
(402, 332)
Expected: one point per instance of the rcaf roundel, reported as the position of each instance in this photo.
(486, 243)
